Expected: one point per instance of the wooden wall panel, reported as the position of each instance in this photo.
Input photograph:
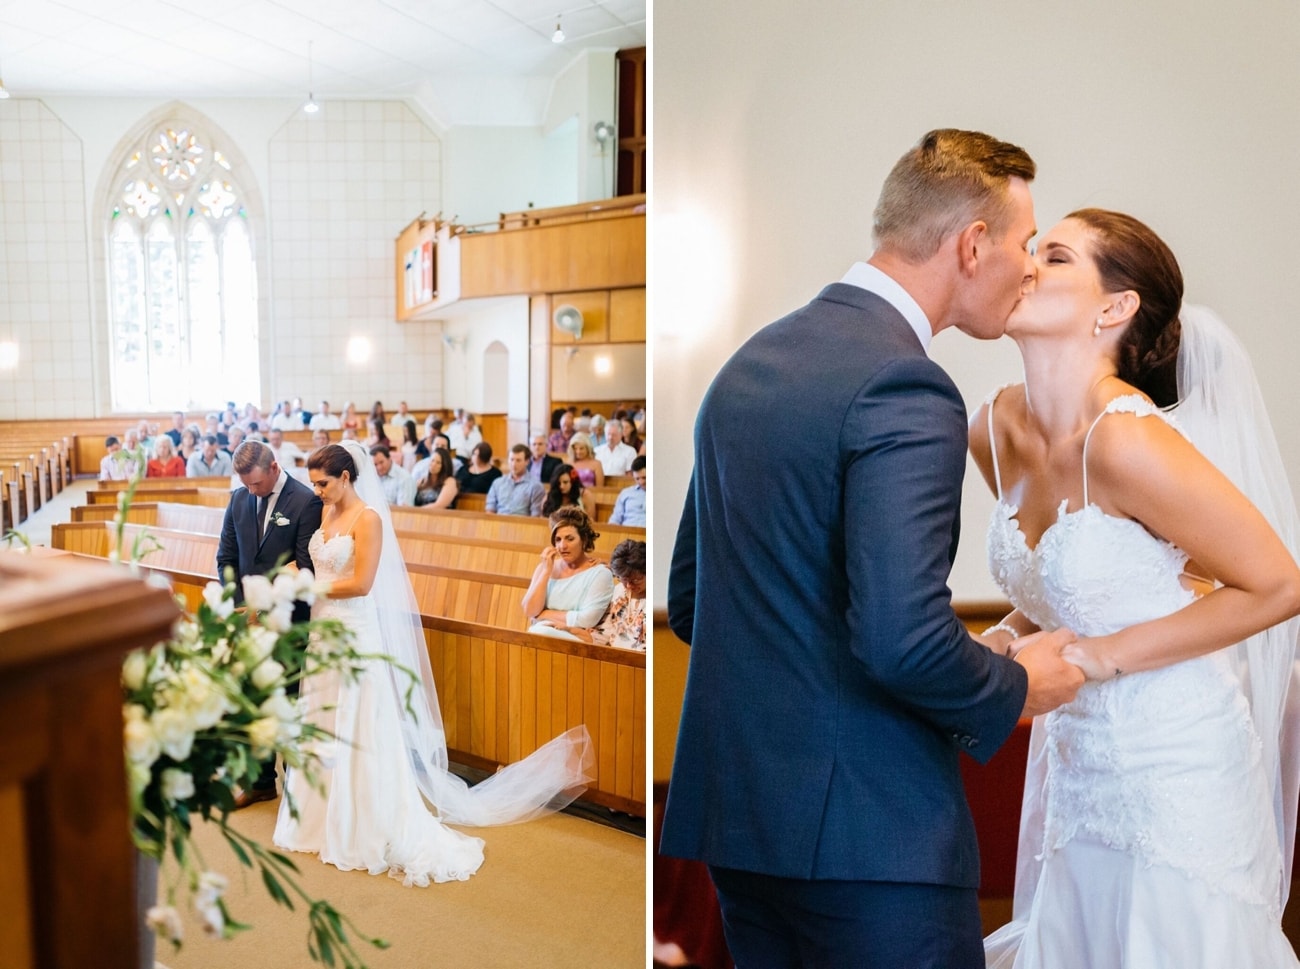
(627, 315)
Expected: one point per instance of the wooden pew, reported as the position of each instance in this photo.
(503, 691)
(503, 528)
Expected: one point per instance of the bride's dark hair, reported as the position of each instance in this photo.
(333, 459)
(1129, 255)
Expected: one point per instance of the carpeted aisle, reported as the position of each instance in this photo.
(556, 892)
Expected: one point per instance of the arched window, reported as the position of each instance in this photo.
(182, 277)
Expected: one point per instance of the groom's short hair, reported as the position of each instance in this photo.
(252, 454)
(950, 179)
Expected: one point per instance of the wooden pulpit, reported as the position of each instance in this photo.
(67, 875)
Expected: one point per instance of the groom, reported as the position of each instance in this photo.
(831, 687)
(269, 521)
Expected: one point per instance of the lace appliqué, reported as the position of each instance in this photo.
(1164, 765)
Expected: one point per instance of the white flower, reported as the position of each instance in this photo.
(213, 595)
(285, 713)
(266, 673)
(134, 669)
(175, 732)
(280, 618)
(258, 593)
(262, 734)
(206, 897)
(304, 586)
(165, 921)
(142, 745)
(279, 519)
(177, 785)
(285, 586)
(257, 644)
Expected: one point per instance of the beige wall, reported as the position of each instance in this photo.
(770, 143)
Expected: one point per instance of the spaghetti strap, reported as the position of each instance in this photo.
(1128, 404)
(993, 445)
(355, 518)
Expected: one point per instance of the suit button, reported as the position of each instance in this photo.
(966, 739)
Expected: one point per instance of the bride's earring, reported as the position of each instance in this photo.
(1096, 329)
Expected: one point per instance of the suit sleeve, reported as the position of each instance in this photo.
(681, 574)
(904, 447)
(228, 546)
(308, 523)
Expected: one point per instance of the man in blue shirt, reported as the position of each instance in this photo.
(516, 493)
(629, 509)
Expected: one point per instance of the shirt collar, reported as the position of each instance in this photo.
(873, 280)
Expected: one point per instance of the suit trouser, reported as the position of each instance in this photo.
(784, 923)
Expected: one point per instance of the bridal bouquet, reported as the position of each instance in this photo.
(201, 710)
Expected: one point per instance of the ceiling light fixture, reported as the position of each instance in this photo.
(311, 107)
(558, 36)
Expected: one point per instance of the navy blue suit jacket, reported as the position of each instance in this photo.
(240, 549)
(831, 687)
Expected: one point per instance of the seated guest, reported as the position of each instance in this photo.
(615, 456)
(632, 436)
(565, 489)
(403, 414)
(464, 435)
(516, 493)
(116, 465)
(476, 477)
(432, 428)
(623, 625)
(376, 436)
(584, 462)
(164, 463)
(562, 433)
(234, 438)
(399, 488)
(189, 443)
(287, 454)
(437, 488)
(323, 420)
(178, 425)
(597, 431)
(209, 461)
(569, 587)
(350, 420)
(542, 466)
(214, 427)
(629, 509)
(410, 443)
(319, 438)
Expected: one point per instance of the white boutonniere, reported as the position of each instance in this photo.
(278, 519)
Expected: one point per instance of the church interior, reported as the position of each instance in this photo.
(437, 207)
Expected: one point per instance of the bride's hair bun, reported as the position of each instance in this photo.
(333, 459)
(1129, 255)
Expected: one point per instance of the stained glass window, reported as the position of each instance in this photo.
(182, 276)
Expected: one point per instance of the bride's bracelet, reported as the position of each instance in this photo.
(1004, 627)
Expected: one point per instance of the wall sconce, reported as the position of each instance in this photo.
(603, 366)
(358, 350)
(8, 356)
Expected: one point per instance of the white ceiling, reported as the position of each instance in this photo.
(259, 48)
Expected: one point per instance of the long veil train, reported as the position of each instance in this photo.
(545, 781)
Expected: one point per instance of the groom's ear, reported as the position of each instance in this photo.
(969, 242)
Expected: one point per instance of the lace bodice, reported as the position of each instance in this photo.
(1163, 764)
(333, 559)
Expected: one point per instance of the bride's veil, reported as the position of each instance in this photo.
(547, 780)
(1221, 409)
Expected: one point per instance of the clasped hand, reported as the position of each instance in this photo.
(1053, 679)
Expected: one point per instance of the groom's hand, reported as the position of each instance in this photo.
(1052, 681)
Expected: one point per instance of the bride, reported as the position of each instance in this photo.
(1160, 805)
(390, 755)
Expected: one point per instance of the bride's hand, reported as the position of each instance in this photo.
(1090, 655)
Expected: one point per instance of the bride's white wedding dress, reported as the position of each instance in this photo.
(1148, 837)
(371, 815)
(388, 792)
